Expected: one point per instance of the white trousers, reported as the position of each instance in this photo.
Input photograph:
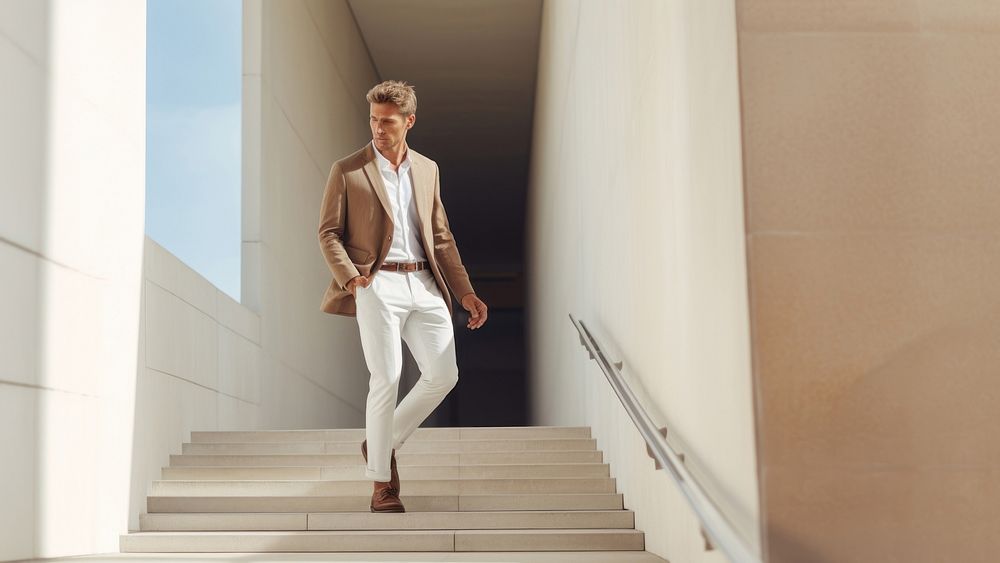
(407, 305)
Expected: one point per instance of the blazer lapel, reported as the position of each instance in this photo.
(421, 188)
(375, 177)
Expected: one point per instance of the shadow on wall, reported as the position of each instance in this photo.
(62, 394)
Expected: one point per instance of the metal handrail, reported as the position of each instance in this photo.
(714, 523)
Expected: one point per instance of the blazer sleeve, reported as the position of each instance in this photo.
(445, 249)
(333, 213)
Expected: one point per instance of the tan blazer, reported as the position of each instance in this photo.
(355, 227)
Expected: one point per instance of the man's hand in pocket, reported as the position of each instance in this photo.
(354, 282)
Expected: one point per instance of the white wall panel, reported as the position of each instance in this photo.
(636, 227)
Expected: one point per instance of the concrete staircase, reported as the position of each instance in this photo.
(464, 489)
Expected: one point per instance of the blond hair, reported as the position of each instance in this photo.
(396, 92)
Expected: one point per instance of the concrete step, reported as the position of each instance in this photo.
(383, 540)
(358, 434)
(360, 503)
(411, 446)
(406, 472)
(472, 520)
(413, 487)
(402, 458)
(493, 489)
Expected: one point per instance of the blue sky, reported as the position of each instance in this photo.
(193, 98)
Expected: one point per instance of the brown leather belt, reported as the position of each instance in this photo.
(404, 266)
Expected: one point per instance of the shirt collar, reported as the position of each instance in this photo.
(384, 164)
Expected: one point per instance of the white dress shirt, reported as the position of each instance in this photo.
(406, 246)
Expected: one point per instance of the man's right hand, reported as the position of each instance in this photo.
(354, 282)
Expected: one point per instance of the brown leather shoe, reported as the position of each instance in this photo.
(394, 476)
(385, 498)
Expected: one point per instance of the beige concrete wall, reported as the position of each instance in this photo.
(72, 168)
(305, 77)
(636, 227)
(200, 365)
(870, 140)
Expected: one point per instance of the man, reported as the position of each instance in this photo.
(385, 236)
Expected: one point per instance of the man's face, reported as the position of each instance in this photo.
(388, 125)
